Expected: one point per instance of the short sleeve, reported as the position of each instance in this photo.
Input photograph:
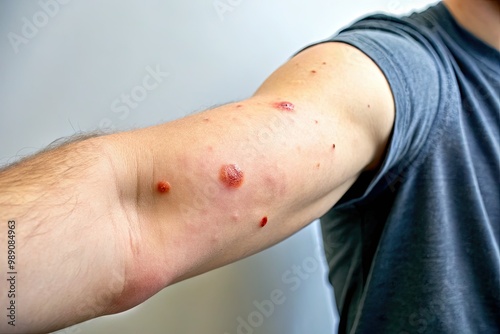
(418, 79)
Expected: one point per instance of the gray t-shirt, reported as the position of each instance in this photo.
(414, 247)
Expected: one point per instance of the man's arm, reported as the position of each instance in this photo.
(158, 205)
(62, 236)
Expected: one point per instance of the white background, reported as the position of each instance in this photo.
(66, 74)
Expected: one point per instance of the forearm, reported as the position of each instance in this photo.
(69, 236)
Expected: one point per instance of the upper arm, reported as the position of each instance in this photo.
(341, 84)
(296, 165)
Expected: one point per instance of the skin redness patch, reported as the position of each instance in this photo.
(285, 106)
(231, 176)
(263, 222)
(163, 187)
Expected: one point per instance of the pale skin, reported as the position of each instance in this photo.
(95, 236)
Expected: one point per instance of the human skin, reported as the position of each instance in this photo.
(480, 17)
(104, 223)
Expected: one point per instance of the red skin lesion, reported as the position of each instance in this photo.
(231, 176)
(163, 187)
(263, 222)
(284, 106)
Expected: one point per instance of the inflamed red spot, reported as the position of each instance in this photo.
(285, 106)
(263, 222)
(231, 175)
(163, 187)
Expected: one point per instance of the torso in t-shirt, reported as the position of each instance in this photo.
(414, 247)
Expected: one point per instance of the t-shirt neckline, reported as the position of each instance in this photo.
(476, 47)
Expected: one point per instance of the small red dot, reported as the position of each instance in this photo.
(263, 222)
(163, 187)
